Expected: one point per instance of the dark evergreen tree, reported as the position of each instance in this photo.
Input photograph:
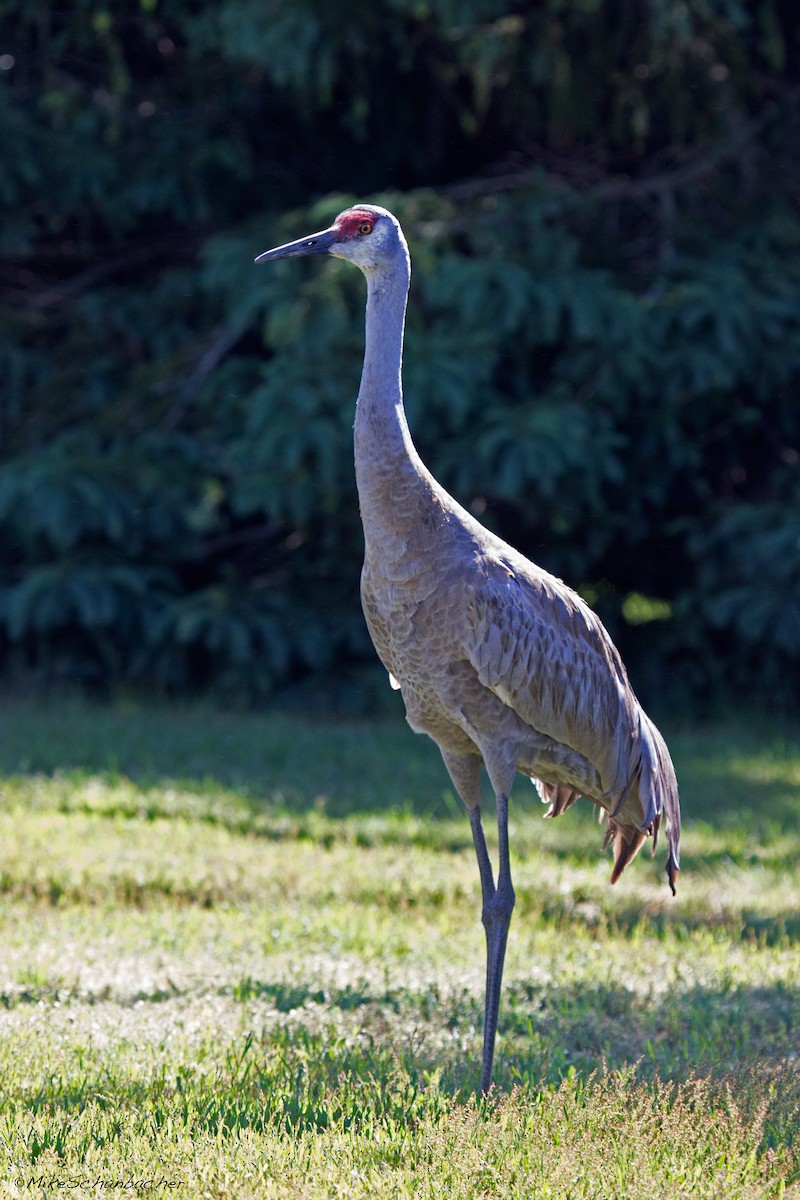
(603, 350)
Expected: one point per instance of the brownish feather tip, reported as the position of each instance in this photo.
(627, 843)
(672, 872)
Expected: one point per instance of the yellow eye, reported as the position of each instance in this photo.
(365, 227)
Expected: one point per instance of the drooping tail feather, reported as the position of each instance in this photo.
(560, 796)
(650, 798)
(656, 788)
(666, 785)
(627, 844)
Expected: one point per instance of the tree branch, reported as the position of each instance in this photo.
(623, 187)
(85, 280)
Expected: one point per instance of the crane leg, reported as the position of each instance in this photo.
(498, 905)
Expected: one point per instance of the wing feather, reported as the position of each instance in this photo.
(537, 645)
(541, 649)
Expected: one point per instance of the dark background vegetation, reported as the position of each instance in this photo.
(603, 358)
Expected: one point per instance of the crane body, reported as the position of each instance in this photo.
(501, 663)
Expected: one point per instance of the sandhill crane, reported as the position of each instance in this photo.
(497, 660)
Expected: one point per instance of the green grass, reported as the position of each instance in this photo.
(242, 957)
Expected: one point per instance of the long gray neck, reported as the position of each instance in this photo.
(388, 468)
(387, 294)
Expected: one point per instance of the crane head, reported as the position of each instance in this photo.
(365, 234)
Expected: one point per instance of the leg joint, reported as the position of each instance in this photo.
(500, 907)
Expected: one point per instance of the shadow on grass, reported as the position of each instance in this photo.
(289, 997)
(284, 777)
(356, 765)
(546, 1031)
(677, 921)
(311, 1076)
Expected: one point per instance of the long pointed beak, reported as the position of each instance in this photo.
(317, 243)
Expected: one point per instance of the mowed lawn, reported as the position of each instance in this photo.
(241, 956)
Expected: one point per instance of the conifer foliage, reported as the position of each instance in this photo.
(603, 353)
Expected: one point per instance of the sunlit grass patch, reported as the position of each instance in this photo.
(247, 951)
(304, 1118)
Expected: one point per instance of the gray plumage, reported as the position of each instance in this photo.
(498, 661)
